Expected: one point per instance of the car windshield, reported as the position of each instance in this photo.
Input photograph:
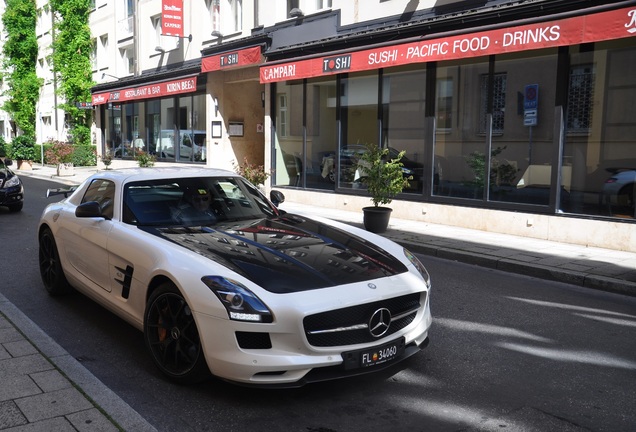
(193, 202)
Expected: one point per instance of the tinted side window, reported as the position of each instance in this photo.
(102, 192)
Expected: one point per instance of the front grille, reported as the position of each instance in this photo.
(348, 326)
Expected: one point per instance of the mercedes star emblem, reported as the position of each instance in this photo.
(380, 322)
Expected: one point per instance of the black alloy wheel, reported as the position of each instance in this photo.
(172, 338)
(50, 266)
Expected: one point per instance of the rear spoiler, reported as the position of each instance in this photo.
(61, 191)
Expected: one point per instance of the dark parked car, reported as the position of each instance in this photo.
(11, 190)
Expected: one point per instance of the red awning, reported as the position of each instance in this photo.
(616, 24)
(231, 59)
(153, 90)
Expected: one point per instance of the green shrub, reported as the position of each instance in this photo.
(3, 147)
(23, 148)
(84, 155)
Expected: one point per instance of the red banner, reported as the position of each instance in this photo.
(244, 57)
(172, 17)
(166, 88)
(598, 27)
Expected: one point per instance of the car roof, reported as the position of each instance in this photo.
(125, 175)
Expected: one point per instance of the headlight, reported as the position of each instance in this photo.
(241, 303)
(13, 181)
(419, 266)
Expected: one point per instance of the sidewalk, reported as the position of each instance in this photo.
(44, 388)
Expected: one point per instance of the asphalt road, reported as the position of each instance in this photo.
(507, 353)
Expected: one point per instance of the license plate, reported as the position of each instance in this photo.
(373, 356)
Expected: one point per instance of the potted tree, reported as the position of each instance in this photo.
(384, 178)
(23, 150)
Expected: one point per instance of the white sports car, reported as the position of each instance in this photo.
(221, 281)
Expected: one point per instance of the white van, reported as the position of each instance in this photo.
(192, 142)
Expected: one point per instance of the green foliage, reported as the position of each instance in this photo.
(22, 148)
(3, 147)
(255, 174)
(383, 176)
(499, 173)
(145, 160)
(107, 159)
(84, 155)
(72, 49)
(20, 57)
(56, 152)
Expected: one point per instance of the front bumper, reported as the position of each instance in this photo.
(290, 361)
(11, 195)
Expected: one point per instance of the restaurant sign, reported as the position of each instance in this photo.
(597, 27)
(160, 89)
(244, 57)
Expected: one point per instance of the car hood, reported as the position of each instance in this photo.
(286, 254)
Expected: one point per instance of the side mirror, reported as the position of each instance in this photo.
(276, 197)
(89, 209)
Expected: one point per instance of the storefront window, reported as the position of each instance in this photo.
(166, 142)
(288, 169)
(599, 149)
(191, 129)
(321, 145)
(460, 144)
(403, 114)
(153, 124)
(523, 129)
(359, 117)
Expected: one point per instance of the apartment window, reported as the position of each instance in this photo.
(498, 103)
(130, 7)
(128, 60)
(323, 4)
(237, 14)
(94, 53)
(292, 4)
(156, 25)
(580, 98)
(282, 120)
(214, 9)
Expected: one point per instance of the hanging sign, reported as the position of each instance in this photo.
(172, 17)
(616, 24)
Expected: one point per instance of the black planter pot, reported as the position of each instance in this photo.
(376, 219)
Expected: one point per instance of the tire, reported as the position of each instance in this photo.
(16, 207)
(50, 266)
(172, 337)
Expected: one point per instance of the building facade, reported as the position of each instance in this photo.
(516, 117)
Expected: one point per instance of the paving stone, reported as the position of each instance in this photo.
(51, 380)
(20, 348)
(4, 323)
(4, 354)
(91, 420)
(53, 404)
(58, 424)
(10, 334)
(10, 415)
(24, 365)
(17, 386)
